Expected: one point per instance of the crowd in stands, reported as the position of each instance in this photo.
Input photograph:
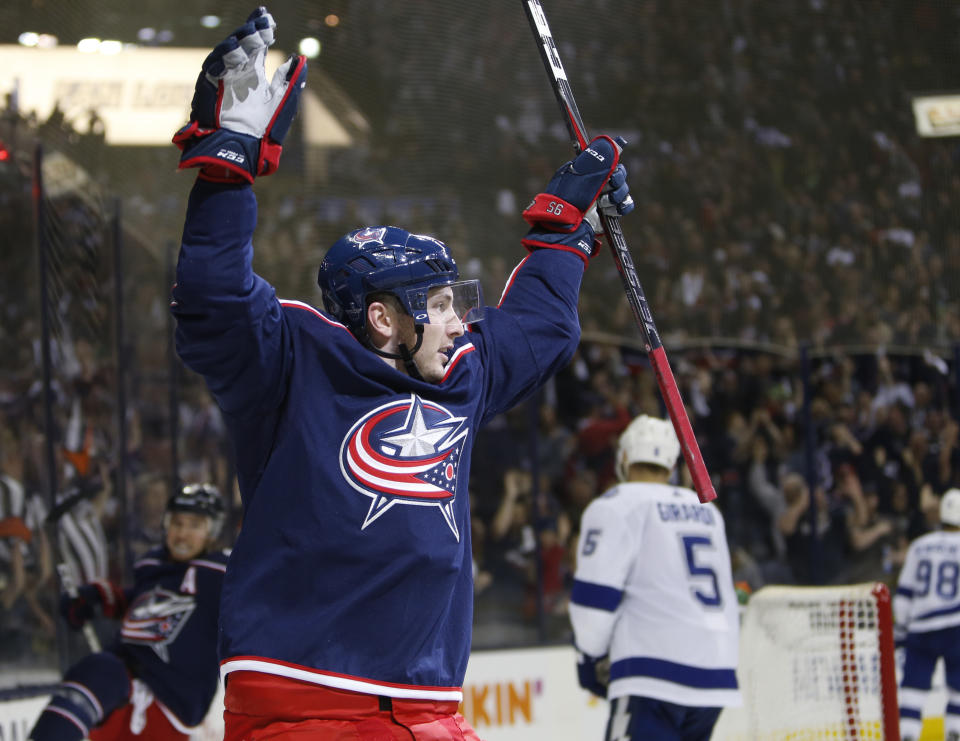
(784, 201)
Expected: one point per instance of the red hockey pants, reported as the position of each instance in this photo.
(262, 706)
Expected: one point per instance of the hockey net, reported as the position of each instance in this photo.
(816, 663)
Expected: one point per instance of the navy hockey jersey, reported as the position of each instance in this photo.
(169, 631)
(353, 565)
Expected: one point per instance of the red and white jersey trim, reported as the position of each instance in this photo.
(510, 279)
(294, 304)
(338, 681)
(174, 720)
(209, 564)
(455, 358)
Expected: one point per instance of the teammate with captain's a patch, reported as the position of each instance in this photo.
(348, 600)
(156, 681)
(653, 607)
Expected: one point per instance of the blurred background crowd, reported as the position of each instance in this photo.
(799, 245)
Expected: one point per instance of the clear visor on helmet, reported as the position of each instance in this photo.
(454, 302)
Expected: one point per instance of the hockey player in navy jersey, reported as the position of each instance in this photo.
(653, 606)
(157, 679)
(926, 612)
(348, 600)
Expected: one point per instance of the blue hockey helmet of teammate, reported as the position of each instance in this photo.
(201, 499)
(387, 259)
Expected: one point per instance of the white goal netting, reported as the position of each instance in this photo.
(816, 663)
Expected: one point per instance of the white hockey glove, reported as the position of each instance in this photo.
(238, 120)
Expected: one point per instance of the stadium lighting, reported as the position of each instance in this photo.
(310, 47)
(29, 38)
(332, 20)
(47, 41)
(146, 34)
(88, 45)
(110, 46)
(210, 21)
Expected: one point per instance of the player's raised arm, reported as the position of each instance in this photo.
(537, 322)
(229, 325)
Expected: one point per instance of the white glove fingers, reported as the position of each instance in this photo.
(236, 59)
(252, 41)
(262, 23)
(267, 29)
(279, 81)
(615, 204)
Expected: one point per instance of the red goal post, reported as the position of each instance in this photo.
(816, 663)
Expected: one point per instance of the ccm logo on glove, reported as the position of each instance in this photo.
(232, 156)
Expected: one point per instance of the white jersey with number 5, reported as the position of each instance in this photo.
(654, 590)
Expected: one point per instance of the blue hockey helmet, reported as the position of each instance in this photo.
(379, 259)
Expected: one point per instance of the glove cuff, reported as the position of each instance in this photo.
(548, 211)
(224, 156)
(582, 242)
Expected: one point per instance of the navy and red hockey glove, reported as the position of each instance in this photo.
(109, 597)
(238, 120)
(565, 216)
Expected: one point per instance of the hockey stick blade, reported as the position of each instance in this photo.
(624, 261)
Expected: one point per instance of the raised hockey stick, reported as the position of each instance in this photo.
(624, 262)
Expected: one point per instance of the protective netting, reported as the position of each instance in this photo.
(811, 667)
(784, 193)
(784, 197)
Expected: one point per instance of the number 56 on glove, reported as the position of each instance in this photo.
(238, 119)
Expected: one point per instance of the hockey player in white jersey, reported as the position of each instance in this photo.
(926, 612)
(653, 607)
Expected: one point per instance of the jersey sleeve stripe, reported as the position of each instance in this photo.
(588, 594)
(209, 564)
(147, 562)
(952, 610)
(88, 694)
(905, 592)
(69, 716)
(690, 676)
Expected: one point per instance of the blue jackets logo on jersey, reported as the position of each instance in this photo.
(156, 618)
(405, 452)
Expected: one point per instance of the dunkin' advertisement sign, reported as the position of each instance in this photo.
(530, 693)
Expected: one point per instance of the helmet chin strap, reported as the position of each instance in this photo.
(405, 354)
